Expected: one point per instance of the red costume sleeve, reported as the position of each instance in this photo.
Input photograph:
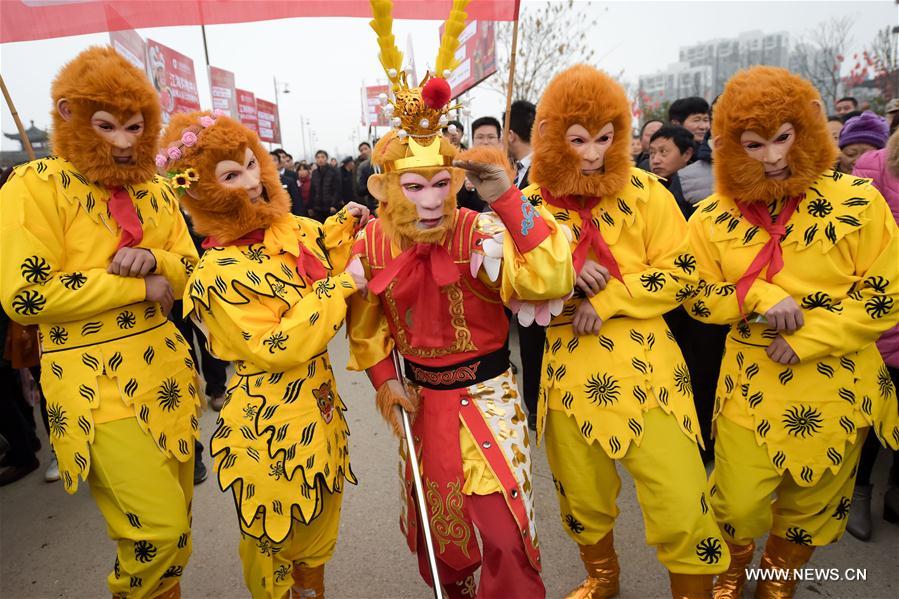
(525, 225)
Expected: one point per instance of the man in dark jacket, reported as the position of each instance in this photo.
(347, 180)
(289, 180)
(364, 170)
(325, 191)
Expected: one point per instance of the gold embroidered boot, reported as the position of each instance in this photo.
(602, 568)
(172, 593)
(781, 554)
(729, 584)
(308, 583)
(690, 586)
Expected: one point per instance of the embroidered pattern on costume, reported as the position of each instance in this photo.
(446, 377)
(447, 521)
(528, 215)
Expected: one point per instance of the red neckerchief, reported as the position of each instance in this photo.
(123, 213)
(590, 234)
(249, 239)
(309, 267)
(420, 272)
(771, 254)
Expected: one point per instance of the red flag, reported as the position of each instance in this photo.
(25, 20)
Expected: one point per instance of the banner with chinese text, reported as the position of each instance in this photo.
(269, 127)
(476, 54)
(131, 46)
(246, 109)
(372, 110)
(172, 74)
(221, 85)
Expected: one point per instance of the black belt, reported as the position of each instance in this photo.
(463, 374)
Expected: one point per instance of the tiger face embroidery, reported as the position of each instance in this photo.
(324, 397)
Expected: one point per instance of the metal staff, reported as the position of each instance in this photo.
(424, 520)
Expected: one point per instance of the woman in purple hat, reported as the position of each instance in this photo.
(863, 133)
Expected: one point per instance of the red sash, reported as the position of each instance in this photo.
(771, 254)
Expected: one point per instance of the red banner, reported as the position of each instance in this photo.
(221, 85)
(269, 125)
(246, 109)
(373, 110)
(172, 73)
(476, 54)
(131, 46)
(41, 19)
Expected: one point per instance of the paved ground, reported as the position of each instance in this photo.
(53, 545)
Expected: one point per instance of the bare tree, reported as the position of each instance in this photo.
(882, 58)
(550, 38)
(820, 53)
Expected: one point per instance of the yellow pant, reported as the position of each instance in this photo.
(145, 499)
(671, 488)
(744, 482)
(268, 566)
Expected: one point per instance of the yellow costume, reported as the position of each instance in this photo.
(841, 384)
(793, 430)
(624, 394)
(281, 441)
(111, 361)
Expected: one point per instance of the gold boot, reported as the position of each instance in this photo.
(172, 593)
(781, 554)
(602, 568)
(729, 584)
(690, 586)
(308, 583)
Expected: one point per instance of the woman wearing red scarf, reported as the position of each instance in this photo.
(94, 251)
(269, 293)
(615, 386)
(803, 263)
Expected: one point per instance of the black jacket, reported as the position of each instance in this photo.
(470, 199)
(347, 186)
(325, 192)
(290, 184)
(363, 172)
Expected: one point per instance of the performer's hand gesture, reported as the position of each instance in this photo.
(586, 320)
(392, 395)
(781, 352)
(132, 262)
(593, 278)
(358, 273)
(159, 290)
(359, 212)
(785, 315)
(490, 180)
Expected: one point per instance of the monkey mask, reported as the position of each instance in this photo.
(581, 95)
(193, 145)
(398, 214)
(99, 79)
(761, 100)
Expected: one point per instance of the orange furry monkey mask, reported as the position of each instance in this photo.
(397, 214)
(760, 100)
(192, 147)
(580, 95)
(99, 79)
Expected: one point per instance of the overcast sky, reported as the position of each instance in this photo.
(325, 61)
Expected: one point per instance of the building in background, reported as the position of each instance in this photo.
(704, 68)
(40, 143)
